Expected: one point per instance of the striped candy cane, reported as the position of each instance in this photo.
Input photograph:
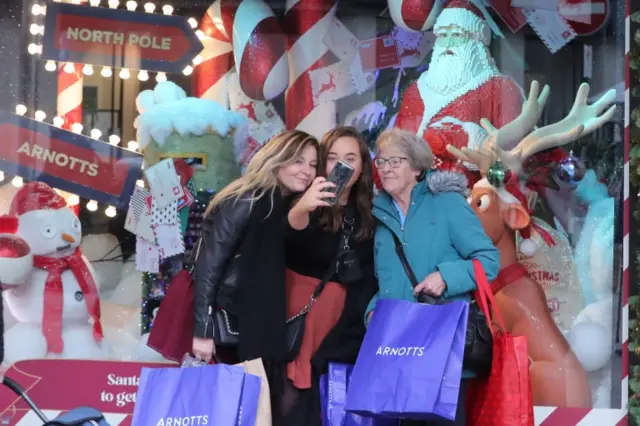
(69, 102)
(307, 22)
(250, 30)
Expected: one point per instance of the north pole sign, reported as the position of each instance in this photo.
(87, 167)
(584, 16)
(118, 38)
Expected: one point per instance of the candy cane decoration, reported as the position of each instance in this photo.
(415, 15)
(308, 21)
(258, 44)
(69, 102)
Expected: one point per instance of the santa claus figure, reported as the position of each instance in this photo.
(56, 300)
(462, 86)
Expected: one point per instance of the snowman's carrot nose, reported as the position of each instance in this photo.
(68, 238)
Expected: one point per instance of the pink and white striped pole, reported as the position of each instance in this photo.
(307, 22)
(69, 101)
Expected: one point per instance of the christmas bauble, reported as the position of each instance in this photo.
(571, 169)
(498, 174)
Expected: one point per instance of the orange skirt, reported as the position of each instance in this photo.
(322, 317)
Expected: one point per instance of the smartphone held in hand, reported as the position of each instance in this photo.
(340, 177)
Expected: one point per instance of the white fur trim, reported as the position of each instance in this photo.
(466, 20)
(528, 247)
(504, 195)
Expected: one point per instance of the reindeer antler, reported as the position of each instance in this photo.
(581, 120)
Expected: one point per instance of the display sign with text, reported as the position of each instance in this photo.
(68, 161)
(57, 386)
(118, 38)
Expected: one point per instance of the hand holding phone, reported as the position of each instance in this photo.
(315, 196)
(340, 177)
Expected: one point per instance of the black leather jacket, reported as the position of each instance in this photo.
(216, 267)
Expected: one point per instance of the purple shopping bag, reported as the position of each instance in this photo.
(333, 393)
(249, 400)
(410, 363)
(208, 395)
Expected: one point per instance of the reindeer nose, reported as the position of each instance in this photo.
(68, 238)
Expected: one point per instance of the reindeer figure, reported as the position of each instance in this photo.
(558, 378)
(251, 110)
(325, 87)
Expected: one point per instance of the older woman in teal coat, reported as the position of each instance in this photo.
(440, 233)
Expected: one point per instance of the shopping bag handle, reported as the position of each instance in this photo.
(485, 298)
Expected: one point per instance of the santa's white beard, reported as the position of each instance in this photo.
(448, 72)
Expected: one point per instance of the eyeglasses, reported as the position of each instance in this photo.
(394, 162)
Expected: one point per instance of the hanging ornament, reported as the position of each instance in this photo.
(498, 174)
(571, 169)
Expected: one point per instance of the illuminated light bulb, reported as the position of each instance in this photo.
(193, 23)
(143, 76)
(110, 211)
(69, 68)
(58, 121)
(94, 2)
(197, 60)
(34, 49)
(113, 4)
(125, 74)
(87, 70)
(167, 9)
(149, 7)
(161, 77)
(96, 133)
(77, 128)
(188, 70)
(131, 5)
(140, 183)
(17, 181)
(92, 206)
(50, 66)
(200, 35)
(74, 200)
(35, 29)
(114, 139)
(133, 145)
(106, 72)
(36, 9)
(21, 109)
(1, 176)
(40, 115)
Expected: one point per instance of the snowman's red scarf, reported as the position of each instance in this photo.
(53, 296)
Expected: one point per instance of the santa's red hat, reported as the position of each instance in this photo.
(469, 15)
(36, 196)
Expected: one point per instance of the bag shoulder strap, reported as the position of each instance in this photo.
(404, 261)
(485, 298)
(348, 224)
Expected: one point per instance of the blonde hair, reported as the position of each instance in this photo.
(261, 175)
(418, 152)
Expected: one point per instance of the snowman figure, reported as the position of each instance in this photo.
(55, 301)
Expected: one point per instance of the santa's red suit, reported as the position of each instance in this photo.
(452, 116)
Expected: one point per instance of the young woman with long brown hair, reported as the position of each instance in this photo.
(317, 245)
(240, 269)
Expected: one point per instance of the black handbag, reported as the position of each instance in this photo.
(478, 346)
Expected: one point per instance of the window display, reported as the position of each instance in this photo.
(123, 119)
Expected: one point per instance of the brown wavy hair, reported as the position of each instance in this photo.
(331, 217)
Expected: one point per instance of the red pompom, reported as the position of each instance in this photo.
(8, 224)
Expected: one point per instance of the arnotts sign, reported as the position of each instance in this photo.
(65, 160)
(118, 38)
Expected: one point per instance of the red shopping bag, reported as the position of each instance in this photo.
(172, 331)
(505, 397)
